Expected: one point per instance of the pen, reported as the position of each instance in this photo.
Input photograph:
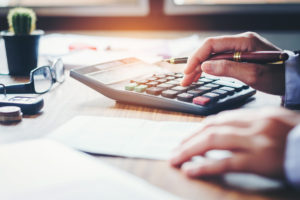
(262, 57)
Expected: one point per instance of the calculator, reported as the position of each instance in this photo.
(133, 81)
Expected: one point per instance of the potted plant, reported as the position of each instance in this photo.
(21, 41)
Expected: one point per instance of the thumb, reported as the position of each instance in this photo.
(245, 72)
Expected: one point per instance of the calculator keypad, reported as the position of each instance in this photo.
(202, 92)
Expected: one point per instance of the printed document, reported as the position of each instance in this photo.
(135, 138)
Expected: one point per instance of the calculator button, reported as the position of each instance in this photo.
(152, 79)
(201, 100)
(154, 91)
(165, 86)
(130, 86)
(169, 93)
(185, 97)
(222, 93)
(171, 74)
(139, 81)
(228, 89)
(170, 78)
(178, 75)
(174, 83)
(205, 80)
(195, 93)
(198, 84)
(180, 88)
(211, 85)
(236, 86)
(191, 87)
(204, 89)
(212, 96)
(152, 84)
(213, 78)
(160, 76)
(162, 80)
(140, 88)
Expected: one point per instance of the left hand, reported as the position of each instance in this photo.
(256, 139)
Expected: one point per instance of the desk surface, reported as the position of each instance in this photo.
(73, 98)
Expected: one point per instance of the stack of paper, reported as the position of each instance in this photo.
(44, 169)
(135, 138)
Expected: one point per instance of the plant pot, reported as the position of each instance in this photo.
(21, 52)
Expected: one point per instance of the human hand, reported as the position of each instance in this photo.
(267, 78)
(257, 143)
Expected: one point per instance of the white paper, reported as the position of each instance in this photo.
(44, 169)
(134, 138)
(112, 48)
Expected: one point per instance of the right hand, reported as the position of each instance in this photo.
(267, 78)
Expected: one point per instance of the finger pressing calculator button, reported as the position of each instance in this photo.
(180, 88)
(185, 97)
(140, 88)
(130, 87)
(169, 94)
(165, 86)
(212, 96)
(201, 100)
(154, 91)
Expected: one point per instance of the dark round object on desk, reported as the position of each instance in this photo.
(10, 114)
(22, 52)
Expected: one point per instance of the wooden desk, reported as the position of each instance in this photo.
(73, 98)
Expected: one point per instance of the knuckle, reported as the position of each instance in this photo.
(251, 35)
(211, 138)
(209, 41)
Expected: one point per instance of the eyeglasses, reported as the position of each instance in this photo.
(41, 80)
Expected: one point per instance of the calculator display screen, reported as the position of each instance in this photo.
(121, 70)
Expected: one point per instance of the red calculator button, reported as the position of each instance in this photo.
(201, 100)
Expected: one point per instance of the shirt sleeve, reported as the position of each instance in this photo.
(292, 81)
(292, 158)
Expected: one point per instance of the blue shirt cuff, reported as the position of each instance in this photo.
(292, 81)
(292, 158)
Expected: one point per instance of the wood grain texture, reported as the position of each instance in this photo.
(73, 98)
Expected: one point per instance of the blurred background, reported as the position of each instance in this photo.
(200, 15)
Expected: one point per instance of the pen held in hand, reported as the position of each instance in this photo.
(262, 57)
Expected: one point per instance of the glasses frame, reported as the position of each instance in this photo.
(25, 88)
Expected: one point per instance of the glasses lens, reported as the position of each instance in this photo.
(42, 79)
(2, 92)
(59, 70)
